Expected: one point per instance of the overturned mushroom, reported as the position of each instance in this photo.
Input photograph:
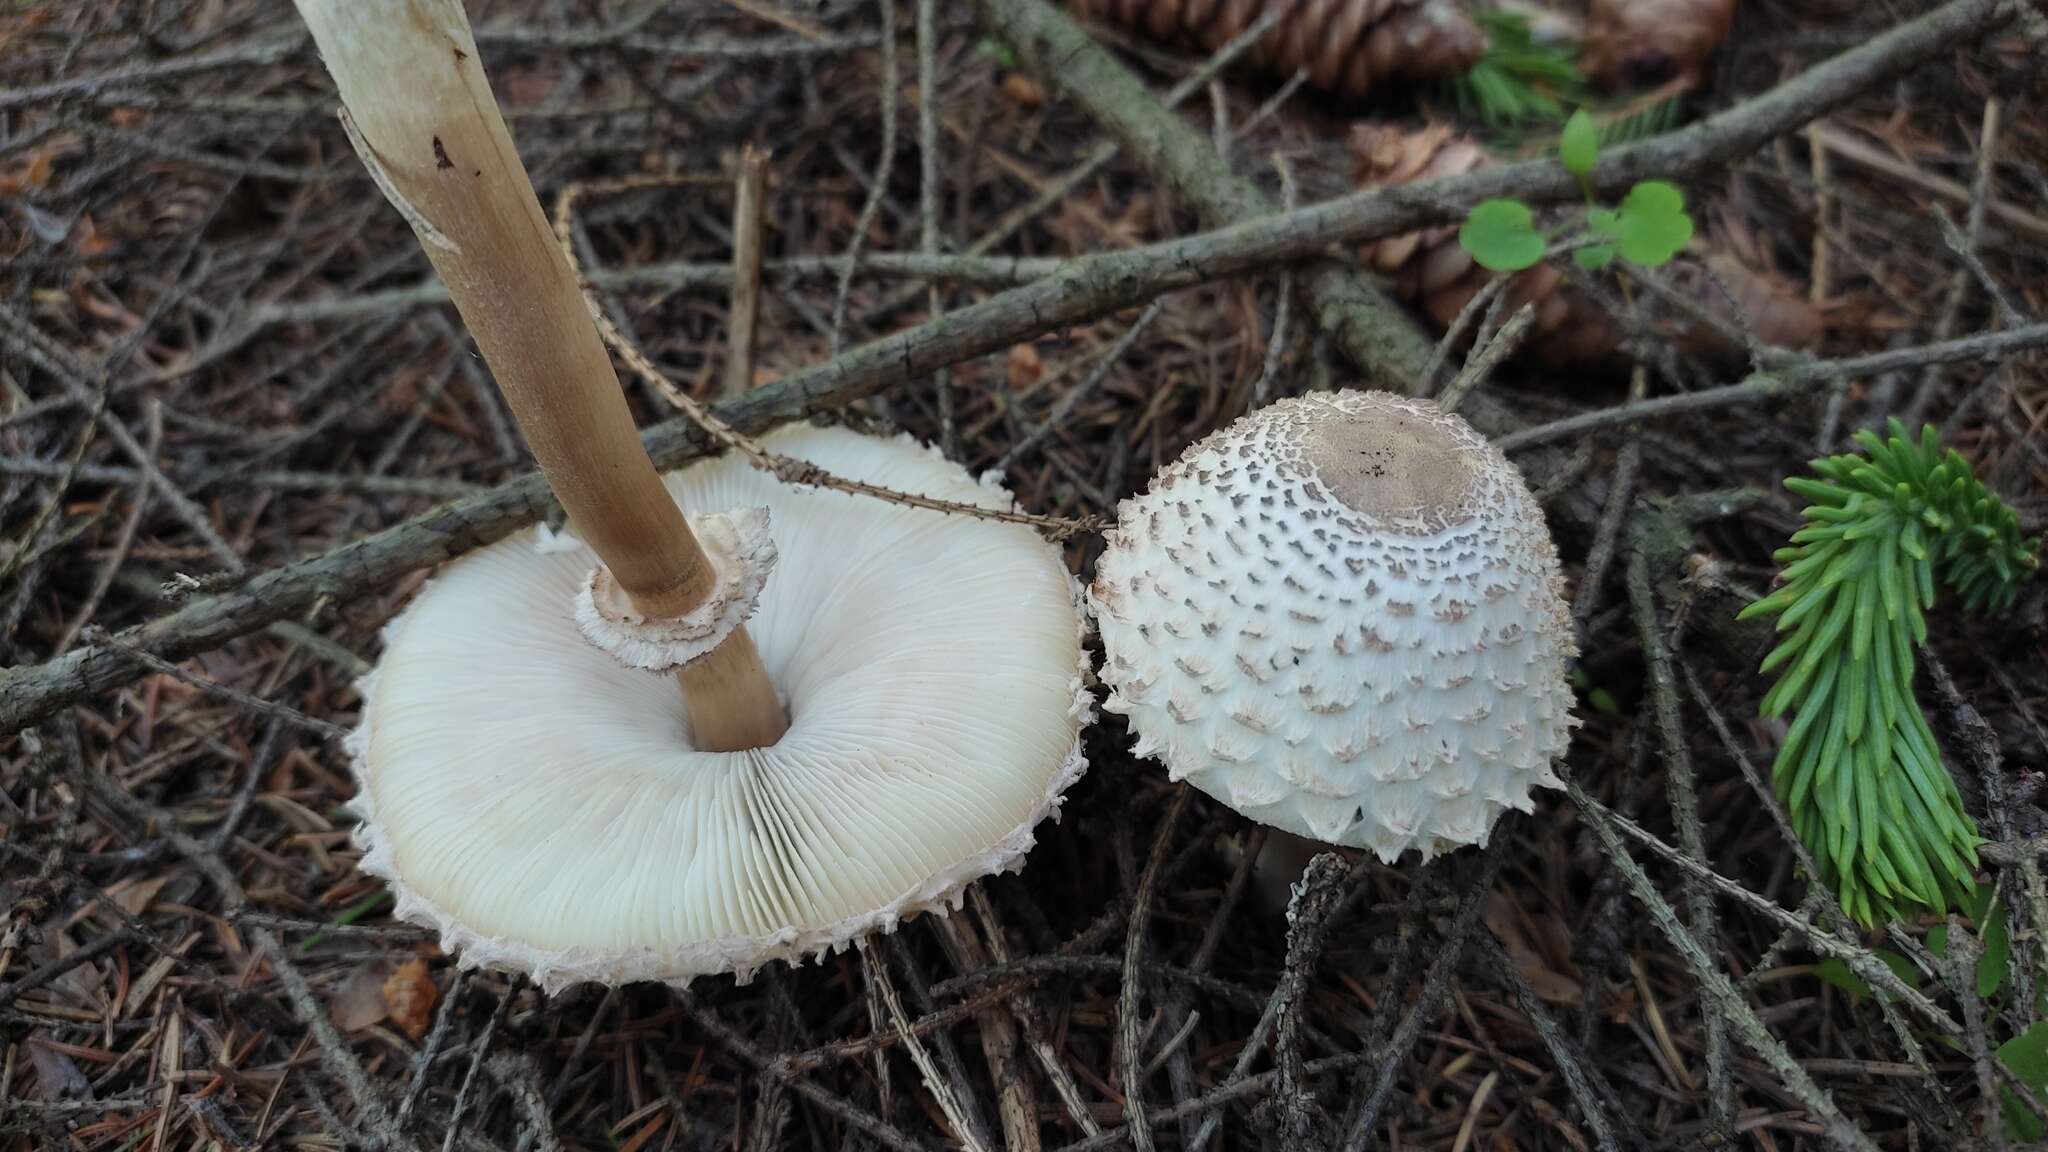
(877, 704)
(543, 804)
(1342, 617)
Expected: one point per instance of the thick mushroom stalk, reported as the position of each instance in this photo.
(1342, 616)
(423, 116)
(525, 787)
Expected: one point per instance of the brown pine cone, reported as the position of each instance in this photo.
(1347, 46)
(1640, 43)
(1434, 272)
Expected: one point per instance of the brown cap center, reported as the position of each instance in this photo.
(1386, 464)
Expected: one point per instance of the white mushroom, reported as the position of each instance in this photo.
(540, 803)
(1342, 617)
(721, 720)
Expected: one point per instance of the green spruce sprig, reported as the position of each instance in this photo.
(1520, 80)
(1859, 770)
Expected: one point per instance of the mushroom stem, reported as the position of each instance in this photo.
(427, 125)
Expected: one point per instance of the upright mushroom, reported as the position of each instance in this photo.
(1342, 617)
(532, 783)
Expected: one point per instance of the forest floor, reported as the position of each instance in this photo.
(238, 425)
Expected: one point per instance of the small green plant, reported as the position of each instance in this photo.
(1520, 80)
(997, 52)
(1859, 770)
(2027, 1055)
(1640, 122)
(1648, 228)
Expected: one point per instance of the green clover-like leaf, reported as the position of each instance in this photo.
(1835, 972)
(1652, 226)
(1995, 964)
(1579, 146)
(2027, 1055)
(1987, 915)
(996, 51)
(1501, 235)
(1594, 257)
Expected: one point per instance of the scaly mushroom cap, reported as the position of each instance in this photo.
(1342, 616)
(539, 804)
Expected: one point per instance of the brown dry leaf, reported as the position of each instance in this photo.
(134, 896)
(1023, 90)
(1776, 310)
(1026, 365)
(89, 240)
(1640, 43)
(1620, 1001)
(33, 174)
(1504, 920)
(409, 994)
(359, 1002)
(57, 1075)
(82, 984)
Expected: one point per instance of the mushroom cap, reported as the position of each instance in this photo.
(539, 804)
(1342, 616)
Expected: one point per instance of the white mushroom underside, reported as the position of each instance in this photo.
(541, 805)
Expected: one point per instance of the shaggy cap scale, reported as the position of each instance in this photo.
(540, 805)
(1342, 616)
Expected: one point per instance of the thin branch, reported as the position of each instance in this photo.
(879, 188)
(1127, 1003)
(1683, 794)
(750, 193)
(938, 1085)
(1719, 992)
(1790, 381)
(928, 188)
(1435, 980)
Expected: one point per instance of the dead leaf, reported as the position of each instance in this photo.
(80, 984)
(135, 896)
(57, 1076)
(1023, 90)
(1026, 365)
(1641, 42)
(1504, 920)
(37, 174)
(359, 1002)
(409, 995)
(89, 239)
